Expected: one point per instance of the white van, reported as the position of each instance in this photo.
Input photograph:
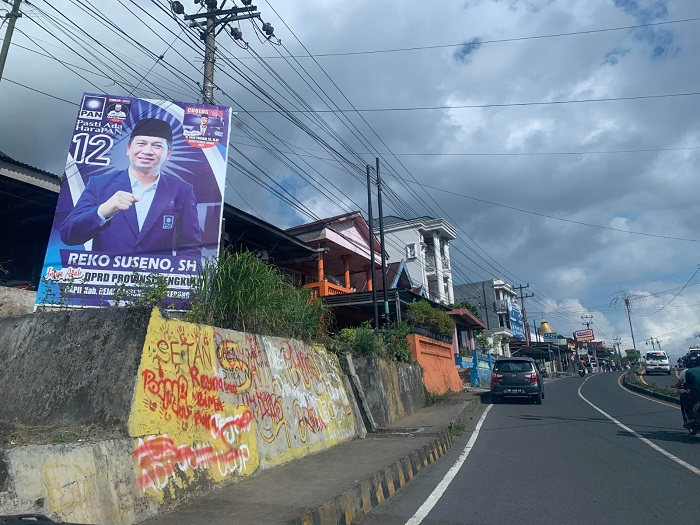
(657, 361)
(594, 367)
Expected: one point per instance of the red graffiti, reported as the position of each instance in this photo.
(228, 428)
(301, 367)
(211, 383)
(172, 393)
(159, 459)
(308, 419)
(209, 401)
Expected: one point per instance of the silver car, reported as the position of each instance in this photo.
(516, 377)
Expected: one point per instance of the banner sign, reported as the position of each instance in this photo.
(516, 320)
(141, 196)
(550, 336)
(584, 335)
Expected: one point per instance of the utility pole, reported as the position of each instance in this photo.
(371, 248)
(629, 318)
(616, 342)
(653, 342)
(381, 241)
(13, 16)
(219, 18)
(522, 310)
(587, 322)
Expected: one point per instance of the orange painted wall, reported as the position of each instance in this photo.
(436, 358)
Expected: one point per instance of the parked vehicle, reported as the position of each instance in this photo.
(594, 367)
(516, 377)
(657, 361)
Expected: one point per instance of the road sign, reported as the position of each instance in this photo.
(584, 335)
(550, 336)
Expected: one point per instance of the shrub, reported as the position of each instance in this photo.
(421, 314)
(395, 339)
(390, 343)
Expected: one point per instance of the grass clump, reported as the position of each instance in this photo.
(240, 292)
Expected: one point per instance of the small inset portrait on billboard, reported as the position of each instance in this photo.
(117, 112)
(202, 130)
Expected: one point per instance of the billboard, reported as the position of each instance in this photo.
(550, 336)
(584, 335)
(516, 320)
(142, 195)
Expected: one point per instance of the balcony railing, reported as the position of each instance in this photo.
(501, 306)
(324, 288)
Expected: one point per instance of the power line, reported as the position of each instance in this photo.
(496, 105)
(495, 41)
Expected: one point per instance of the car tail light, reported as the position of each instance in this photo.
(495, 377)
(532, 377)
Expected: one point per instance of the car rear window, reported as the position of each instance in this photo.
(656, 356)
(513, 366)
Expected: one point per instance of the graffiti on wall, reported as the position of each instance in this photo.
(218, 403)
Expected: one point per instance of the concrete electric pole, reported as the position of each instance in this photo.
(13, 16)
(218, 18)
(522, 309)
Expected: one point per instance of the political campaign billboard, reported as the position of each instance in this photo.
(141, 196)
(516, 320)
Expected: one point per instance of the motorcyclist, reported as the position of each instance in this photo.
(581, 366)
(690, 380)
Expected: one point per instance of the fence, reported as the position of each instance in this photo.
(480, 375)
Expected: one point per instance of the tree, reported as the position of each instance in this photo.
(488, 344)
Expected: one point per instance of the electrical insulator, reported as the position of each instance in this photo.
(246, 2)
(211, 4)
(236, 33)
(177, 8)
(268, 29)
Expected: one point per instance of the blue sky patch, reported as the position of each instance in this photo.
(467, 49)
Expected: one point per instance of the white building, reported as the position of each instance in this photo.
(424, 243)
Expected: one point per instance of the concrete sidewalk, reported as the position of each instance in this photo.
(334, 486)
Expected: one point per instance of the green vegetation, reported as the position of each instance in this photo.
(421, 314)
(241, 292)
(391, 343)
(632, 379)
(152, 291)
(457, 428)
(431, 399)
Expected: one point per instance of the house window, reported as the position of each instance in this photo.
(411, 251)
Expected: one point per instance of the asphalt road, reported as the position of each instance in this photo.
(561, 462)
(662, 380)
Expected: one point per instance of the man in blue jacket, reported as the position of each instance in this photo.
(138, 210)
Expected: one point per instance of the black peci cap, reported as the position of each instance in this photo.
(153, 127)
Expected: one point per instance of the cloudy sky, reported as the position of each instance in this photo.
(561, 138)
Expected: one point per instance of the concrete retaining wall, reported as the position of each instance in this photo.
(392, 390)
(439, 371)
(190, 407)
(15, 301)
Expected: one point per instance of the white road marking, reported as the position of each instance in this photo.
(432, 500)
(653, 445)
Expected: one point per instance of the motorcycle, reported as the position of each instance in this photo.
(693, 423)
(581, 372)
